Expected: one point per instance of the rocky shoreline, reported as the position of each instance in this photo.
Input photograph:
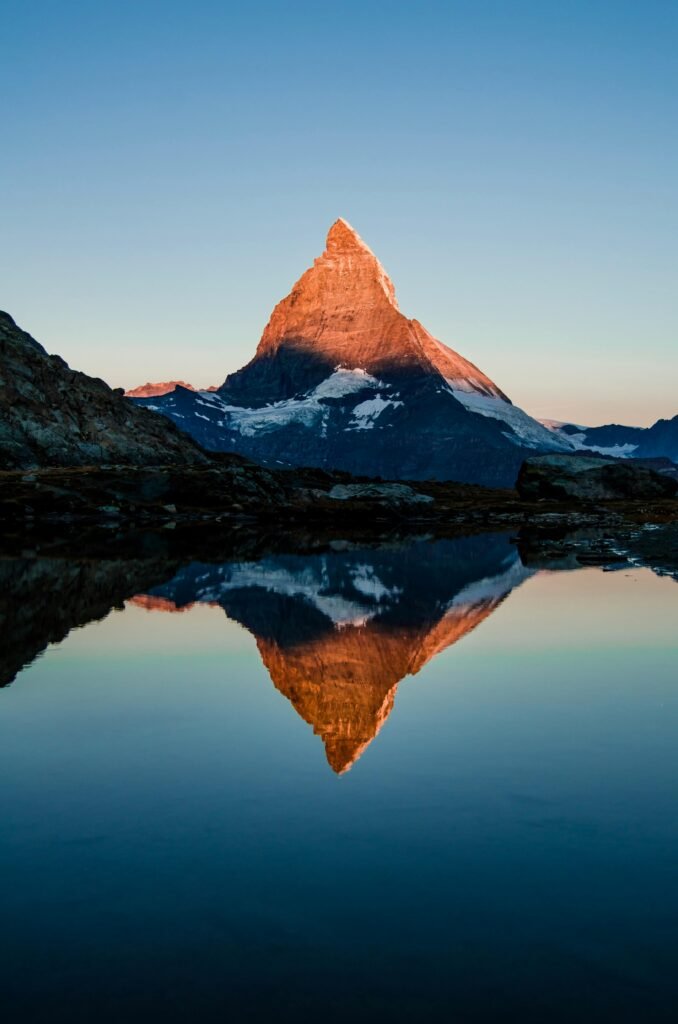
(236, 490)
(213, 512)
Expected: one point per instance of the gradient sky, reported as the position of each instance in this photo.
(170, 168)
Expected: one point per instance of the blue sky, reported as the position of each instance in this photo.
(170, 168)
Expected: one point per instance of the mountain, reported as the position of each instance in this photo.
(338, 631)
(51, 415)
(658, 441)
(341, 379)
(150, 390)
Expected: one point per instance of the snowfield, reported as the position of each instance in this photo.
(314, 410)
(309, 410)
(365, 414)
(524, 429)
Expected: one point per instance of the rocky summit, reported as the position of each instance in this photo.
(51, 415)
(342, 379)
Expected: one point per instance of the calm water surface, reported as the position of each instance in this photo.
(419, 782)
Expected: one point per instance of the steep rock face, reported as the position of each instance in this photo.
(343, 312)
(343, 380)
(51, 415)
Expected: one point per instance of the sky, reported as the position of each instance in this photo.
(169, 169)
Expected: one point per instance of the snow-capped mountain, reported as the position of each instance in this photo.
(657, 441)
(342, 379)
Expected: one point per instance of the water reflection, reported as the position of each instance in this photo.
(174, 845)
(43, 599)
(339, 630)
(336, 631)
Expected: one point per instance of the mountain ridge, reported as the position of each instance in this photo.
(659, 440)
(153, 389)
(51, 415)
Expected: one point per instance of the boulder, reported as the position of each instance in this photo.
(384, 494)
(580, 478)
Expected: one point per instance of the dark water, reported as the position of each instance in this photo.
(414, 782)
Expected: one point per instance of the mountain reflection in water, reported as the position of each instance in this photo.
(339, 630)
(174, 846)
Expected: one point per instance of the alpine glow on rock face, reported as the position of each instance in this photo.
(343, 312)
(342, 379)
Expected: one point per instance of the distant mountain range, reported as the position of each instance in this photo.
(150, 390)
(343, 380)
(657, 441)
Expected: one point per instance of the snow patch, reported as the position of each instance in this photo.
(525, 430)
(366, 413)
(344, 382)
(308, 583)
(620, 451)
(309, 410)
(492, 588)
(367, 582)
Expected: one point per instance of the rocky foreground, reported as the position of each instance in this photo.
(552, 492)
(51, 415)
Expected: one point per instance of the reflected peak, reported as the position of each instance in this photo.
(338, 631)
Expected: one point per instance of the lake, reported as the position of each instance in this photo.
(420, 780)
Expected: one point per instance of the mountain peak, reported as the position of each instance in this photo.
(343, 312)
(342, 237)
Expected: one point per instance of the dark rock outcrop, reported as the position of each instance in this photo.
(141, 494)
(581, 478)
(382, 494)
(51, 415)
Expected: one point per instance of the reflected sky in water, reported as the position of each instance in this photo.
(402, 783)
